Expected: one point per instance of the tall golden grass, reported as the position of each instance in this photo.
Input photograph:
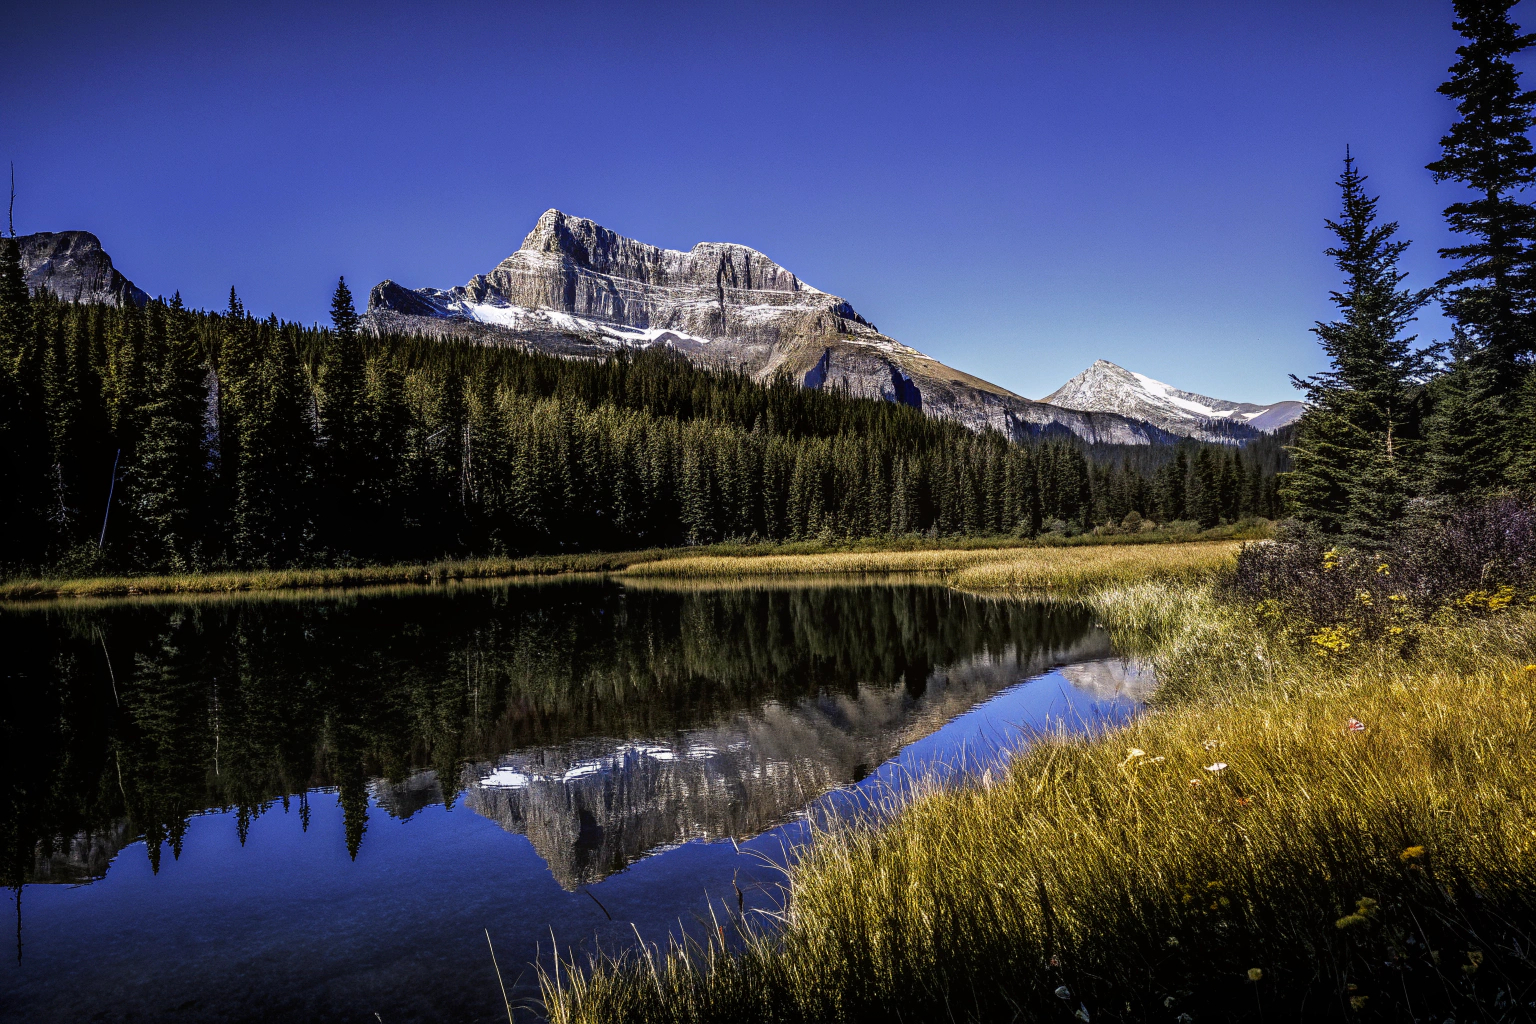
(1034, 568)
(867, 555)
(300, 579)
(1285, 830)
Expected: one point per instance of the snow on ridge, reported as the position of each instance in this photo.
(524, 318)
(1165, 393)
(512, 773)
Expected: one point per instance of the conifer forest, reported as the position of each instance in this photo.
(168, 439)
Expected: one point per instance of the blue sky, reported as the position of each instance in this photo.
(1015, 189)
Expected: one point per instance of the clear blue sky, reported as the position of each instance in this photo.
(1016, 190)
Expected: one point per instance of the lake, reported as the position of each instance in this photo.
(314, 806)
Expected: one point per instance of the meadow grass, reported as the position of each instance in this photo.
(1033, 568)
(1286, 831)
(926, 554)
(302, 579)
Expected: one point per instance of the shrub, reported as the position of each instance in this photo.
(1480, 558)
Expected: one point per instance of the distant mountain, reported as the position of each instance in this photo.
(576, 288)
(1107, 388)
(73, 266)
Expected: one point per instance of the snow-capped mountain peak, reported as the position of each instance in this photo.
(1106, 387)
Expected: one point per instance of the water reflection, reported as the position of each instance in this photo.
(592, 806)
(604, 723)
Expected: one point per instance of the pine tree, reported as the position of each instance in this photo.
(1491, 293)
(1489, 152)
(169, 476)
(237, 360)
(345, 422)
(1355, 447)
(344, 318)
(1172, 495)
(271, 513)
(23, 432)
(1205, 499)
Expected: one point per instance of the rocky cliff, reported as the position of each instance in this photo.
(73, 266)
(577, 288)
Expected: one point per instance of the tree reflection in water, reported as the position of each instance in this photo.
(602, 720)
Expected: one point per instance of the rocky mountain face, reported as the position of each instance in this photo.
(73, 266)
(1107, 388)
(575, 288)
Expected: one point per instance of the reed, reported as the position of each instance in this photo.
(1317, 833)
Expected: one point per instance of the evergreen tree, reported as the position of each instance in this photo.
(1354, 454)
(1172, 493)
(1205, 500)
(1491, 294)
(344, 318)
(1489, 152)
(23, 434)
(169, 478)
(345, 422)
(271, 514)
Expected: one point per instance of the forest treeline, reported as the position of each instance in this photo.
(167, 439)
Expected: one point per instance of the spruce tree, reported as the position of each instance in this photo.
(1205, 500)
(345, 423)
(1491, 294)
(271, 519)
(169, 476)
(23, 433)
(1355, 451)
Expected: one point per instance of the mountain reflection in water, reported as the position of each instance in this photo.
(604, 722)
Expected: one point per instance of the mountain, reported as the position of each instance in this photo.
(74, 266)
(1107, 388)
(576, 288)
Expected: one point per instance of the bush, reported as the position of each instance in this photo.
(1480, 558)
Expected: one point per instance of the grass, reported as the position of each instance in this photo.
(301, 579)
(1238, 851)
(1036, 568)
(916, 553)
(1074, 571)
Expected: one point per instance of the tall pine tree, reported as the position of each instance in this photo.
(23, 431)
(170, 476)
(1356, 443)
(1491, 294)
(345, 423)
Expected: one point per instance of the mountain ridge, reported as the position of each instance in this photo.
(577, 288)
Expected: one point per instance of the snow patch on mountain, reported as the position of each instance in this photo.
(1106, 387)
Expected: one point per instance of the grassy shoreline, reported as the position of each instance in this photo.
(1242, 849)
(913, 554)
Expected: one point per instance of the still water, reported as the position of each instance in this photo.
(313, 808)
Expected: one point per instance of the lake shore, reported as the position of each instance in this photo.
(901, 554)
(1294, 827)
